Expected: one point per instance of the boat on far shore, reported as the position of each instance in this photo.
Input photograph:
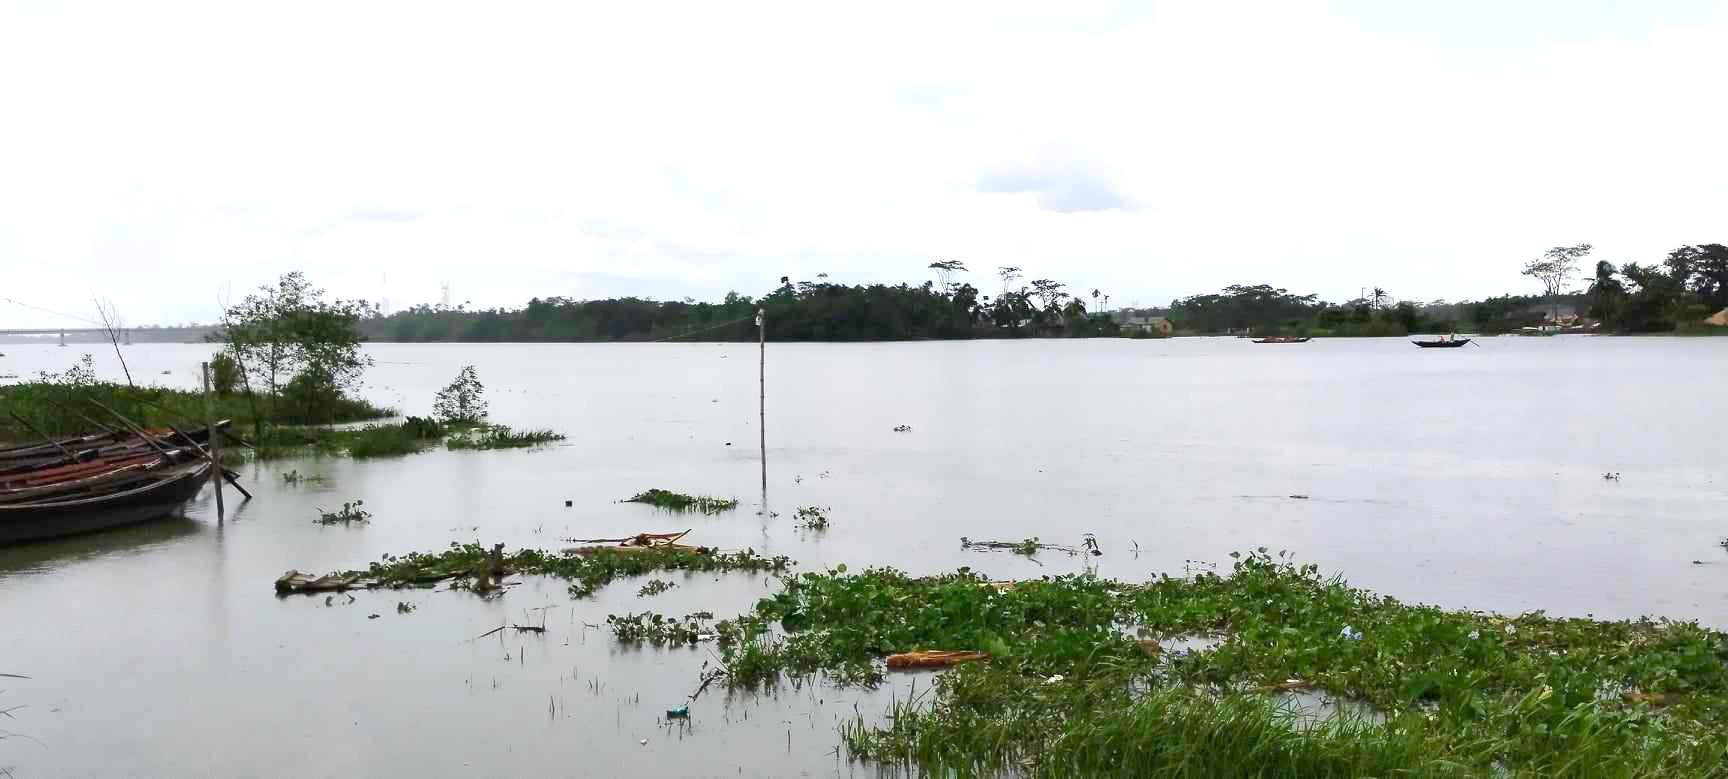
(1283, 339)
(1444, 342)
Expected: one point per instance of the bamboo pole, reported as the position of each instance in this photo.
(50, 439)
(215, 442)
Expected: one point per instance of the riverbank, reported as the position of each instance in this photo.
(56, 408)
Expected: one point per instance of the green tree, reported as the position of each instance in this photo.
(1607, 295)
(1704, 271)
(225, 376)
(945, 270)
(1554, 269)
(288, 337)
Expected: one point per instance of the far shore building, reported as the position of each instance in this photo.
(1719, 319)
(1131, 319)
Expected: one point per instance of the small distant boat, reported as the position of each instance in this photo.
(1442, 343)
(1283, 339)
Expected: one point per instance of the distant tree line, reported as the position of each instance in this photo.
(1688, 286)
(1685, 288)
(816, 310)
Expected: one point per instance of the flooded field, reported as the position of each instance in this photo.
(1469, 478)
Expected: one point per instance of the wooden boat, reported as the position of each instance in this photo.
(112, 503)
(1451, 343)
(1283, 339)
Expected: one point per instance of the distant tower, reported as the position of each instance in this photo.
(445, 300)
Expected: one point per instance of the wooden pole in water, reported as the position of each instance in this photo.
(215, 442)
(762, 398)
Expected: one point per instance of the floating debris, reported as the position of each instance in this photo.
(295, 581)
(472, 566)
(1027, 547)
(350, 512)
(902, 428)
(631, 543)
(935, 658)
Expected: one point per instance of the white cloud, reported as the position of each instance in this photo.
(165, 155)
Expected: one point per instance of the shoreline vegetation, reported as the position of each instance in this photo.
(1272, 669)
(287, 372)
(60, 404)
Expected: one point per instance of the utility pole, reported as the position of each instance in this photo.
(215, 442)
(762, 399)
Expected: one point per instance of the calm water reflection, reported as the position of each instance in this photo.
(1469, 478)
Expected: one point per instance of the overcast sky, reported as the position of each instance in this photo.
(169, 156)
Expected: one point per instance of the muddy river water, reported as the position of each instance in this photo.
(1470, 478)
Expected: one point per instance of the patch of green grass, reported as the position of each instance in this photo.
(395, 439)
(60, 405)
(677, 501)
(1069, 689)
(654, 587)
(500, 437)
(378, 440)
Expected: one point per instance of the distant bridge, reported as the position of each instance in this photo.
(100, 335)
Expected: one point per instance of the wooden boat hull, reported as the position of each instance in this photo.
(1283, 340)
(75, 515)
(1442, 344)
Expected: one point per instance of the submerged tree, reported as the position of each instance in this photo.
(461, 402)
(294, 349)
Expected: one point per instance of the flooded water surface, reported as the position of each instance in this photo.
(1470, 478)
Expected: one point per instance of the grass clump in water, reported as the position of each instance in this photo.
(500, 437)
(1069, 690)
(677, 501)
(654, 587)
(587, 570)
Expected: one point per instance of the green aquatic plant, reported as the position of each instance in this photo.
(660, 630)
(811, 518)
(654, 587)
(677, 501)
(1080, 681)
(349, 513)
